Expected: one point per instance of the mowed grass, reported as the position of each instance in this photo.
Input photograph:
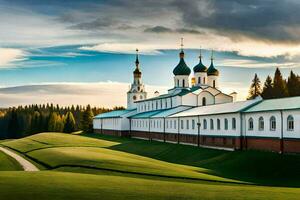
(101, 152)
(63, 185)
(80, 151)
(8, 164)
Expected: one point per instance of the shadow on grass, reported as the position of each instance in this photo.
(263, 168)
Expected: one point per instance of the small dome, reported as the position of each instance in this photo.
(137, 71)
(212, 71)
(181, 68)
(200, 67)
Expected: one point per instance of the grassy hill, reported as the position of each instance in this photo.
(90, 165)
(8, 164)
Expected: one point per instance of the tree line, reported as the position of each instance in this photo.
(17, 122)
(278, 87)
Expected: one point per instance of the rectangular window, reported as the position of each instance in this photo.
(174, 124)
(171, 124)
(187, 124)
(167, 124)
(181, 124)
(233, 123)
(193, 124)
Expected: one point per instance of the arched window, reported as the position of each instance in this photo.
(174, 124)
(218, 124)
(204, 80)
(214, 83)
(181, 124)
(204, 124)
(272, 123)
(250, 124)
(187, 124)
(211, 124)
(183, 83)
(261, 124)
(199, 80)
(290, 123)
(193, 124)
(177, 83)
(226, 124)
(233, 123)
(203, 101)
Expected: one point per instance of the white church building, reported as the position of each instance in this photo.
(199, 113)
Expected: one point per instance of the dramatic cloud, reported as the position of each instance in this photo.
(9, 56)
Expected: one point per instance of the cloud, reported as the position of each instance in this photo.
(8, 56)
(244, 63)
(272, 20)
(122, 48)
(162, 29)
(101, 94)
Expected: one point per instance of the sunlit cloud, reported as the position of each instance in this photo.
(9, 56)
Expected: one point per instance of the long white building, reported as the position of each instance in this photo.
(199, 113)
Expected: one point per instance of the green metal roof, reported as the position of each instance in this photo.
(200, 67)
(212, 71)
(288, 103)
(147, 114)
(163, 96)
(182, 68)
(113, 114)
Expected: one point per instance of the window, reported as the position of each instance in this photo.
(290, 123)
(181, 124)
(203, 80)
(226, 124)
(174, 124)
(272, 123)
(261, 124)
(233, 123)
(156, 105)
(187, 124)
(211, 124)
(199, 80)
(167, 124)
(183, 83)
(218, 124)
(177, 83)
(250, 124)
(203, 101)
(193, 124)
(171, 124)
(214, 83)
(204, 124)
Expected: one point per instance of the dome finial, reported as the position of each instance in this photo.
(212, 56)
(137, 62)
(181, 45)
(181, 54)
(200, 54)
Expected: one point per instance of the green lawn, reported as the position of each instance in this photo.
(61, 185)
(91, 166)
(8, 164)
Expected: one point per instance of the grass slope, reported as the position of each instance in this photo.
(8, 164)
(62, 185)
(122, 168)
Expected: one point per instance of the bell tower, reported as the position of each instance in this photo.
(137, 89)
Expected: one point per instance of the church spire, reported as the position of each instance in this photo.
(137, 62)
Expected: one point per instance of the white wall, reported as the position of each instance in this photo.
(222, 98)
(210, 99)
(189, 100)
(267, 132)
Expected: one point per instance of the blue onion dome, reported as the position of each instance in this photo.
(181, 68)
(200, 67)
(212, 71)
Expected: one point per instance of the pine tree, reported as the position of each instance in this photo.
(69, 123)
(279, 85)
(35, 122)
(87, 120)
(267, 92)
(293, 85)
(13, 125)
(52, 122)
(255, 88)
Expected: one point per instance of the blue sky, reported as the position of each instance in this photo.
(55, 42)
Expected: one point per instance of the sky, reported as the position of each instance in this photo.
(83, 51)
